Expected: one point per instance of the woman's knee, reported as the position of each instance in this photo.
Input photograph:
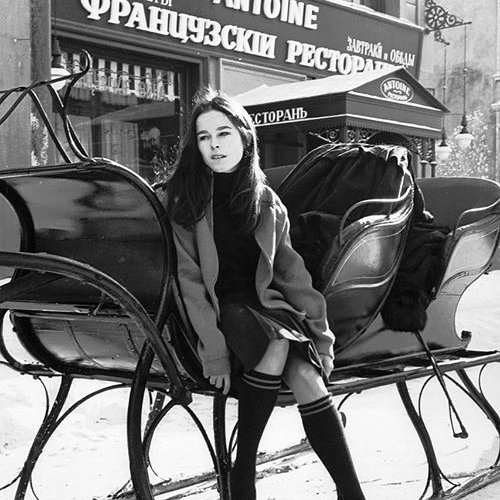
(304, 380)
(298, 370)
(274, 359)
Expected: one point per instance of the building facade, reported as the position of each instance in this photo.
(150, 56)
(470, 41)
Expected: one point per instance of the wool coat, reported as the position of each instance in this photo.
(281, 282)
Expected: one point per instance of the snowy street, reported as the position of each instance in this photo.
(87, 456)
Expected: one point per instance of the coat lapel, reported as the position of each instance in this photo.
(266, 235)
(209, 263)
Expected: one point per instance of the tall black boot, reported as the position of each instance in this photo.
(325, 433)
(257, 397)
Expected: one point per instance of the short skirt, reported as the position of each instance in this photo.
(248, 328)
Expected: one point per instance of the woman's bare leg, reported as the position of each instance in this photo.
(274, 359)
(303, 379)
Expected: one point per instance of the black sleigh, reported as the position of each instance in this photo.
(91, 289)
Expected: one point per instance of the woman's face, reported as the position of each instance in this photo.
(219, 141)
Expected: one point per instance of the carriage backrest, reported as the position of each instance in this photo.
(448, 197)
(470, 208)
(350, 207)
(10, 234)
(466, 255)
(98, 214)
(358, 276)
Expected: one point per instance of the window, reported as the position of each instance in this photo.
(409, 11)
(378, 5)
(127, 108)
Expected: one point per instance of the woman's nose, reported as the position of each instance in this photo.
(215, 144)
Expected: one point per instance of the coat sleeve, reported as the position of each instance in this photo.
(295, 283)
(212, 347)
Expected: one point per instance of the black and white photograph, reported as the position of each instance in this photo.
(249, 250)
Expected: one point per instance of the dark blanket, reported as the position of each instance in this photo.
(332, 178)
(420, 271)
(341, 176)
(327, 182)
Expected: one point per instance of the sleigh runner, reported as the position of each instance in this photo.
(92, 291)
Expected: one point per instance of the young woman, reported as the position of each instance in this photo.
(247, 292)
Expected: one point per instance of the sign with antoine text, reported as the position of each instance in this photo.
(396, 90)
(314, 37)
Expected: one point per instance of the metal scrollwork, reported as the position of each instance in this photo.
(439, 37)
(438, 18)
(331, 135)
(364, 134)
(351, 135)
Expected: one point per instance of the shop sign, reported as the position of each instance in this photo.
(396, 90)
(124, 79)
(319, 36)
(279, 116)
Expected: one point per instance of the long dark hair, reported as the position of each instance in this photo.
(188, 190)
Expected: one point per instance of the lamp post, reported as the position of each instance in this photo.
(437, 19)
(464, 138)
(57, 69)
(443, 151)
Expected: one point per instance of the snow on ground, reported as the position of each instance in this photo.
(87, 456)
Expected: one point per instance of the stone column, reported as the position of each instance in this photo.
(15, 55)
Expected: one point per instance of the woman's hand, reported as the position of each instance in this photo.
(221, 382)
(326, 363)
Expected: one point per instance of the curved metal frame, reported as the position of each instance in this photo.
(85, 273)
(435, 473)
(389, 202)
(139, 445)
(50, 425)
(399, 219)
(120, 295)
(31, 369)
(66, 267)
(73, 140)
(492, 209)
(46, 413)
(138, 448)
(51, 421)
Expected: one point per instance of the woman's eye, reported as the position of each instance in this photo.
(224, 133)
